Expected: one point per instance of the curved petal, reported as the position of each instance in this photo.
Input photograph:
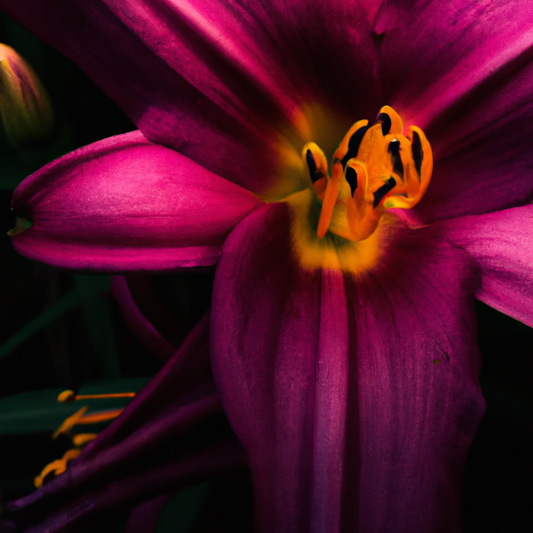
(173, 472)
(166, 322)
(127, 204)
(240, 86)
(170, 435)
(138, 323)
(227, 84)
(501, 244)
(463, 71)
(356, 399)
(144, 517)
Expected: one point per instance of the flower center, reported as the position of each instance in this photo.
(375, 168)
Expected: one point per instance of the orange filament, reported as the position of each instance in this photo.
(70, 422)
(100, 416)
(81, 439)
(60, 465)
(56, 467)
(375, 168)
(71, 396)
(79, 417)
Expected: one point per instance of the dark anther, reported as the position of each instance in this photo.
(353, 145)
(383, 190)
(313, 172)
(351, 178)
(394, 151)
(418, 153)
(386, 122)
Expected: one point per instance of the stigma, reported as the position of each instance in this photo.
(375, 168)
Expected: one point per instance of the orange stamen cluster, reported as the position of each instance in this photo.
(56, 467)
(375, 168)
(80, 440)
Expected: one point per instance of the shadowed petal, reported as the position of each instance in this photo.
(355, 399)
(463, 71)
(501, 244)
(240, 86)
(138, 323)
(172, 434)
(127, 204)
(179, 470)
(144, 517)
(122, 48)
(222, 82)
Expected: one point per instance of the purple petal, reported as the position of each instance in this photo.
(463, 72)
(501, 244)
(168, 437)
(224, 83)
(138, 323)
(144, 517)
(356, 399)
(239, 88)
(178, 471)
(164, 321)
(127, 204)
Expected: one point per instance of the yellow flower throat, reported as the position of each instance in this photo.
(375, 168)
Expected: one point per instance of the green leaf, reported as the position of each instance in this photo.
(182, 510)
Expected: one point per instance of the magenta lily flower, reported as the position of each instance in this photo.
(342, 336)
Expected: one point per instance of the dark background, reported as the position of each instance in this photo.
(498, 493)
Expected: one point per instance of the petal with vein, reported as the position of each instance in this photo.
(356, 399)
(501, 244)
(463, 71)
(126, 204)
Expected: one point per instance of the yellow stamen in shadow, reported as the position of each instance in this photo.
(79, 417)
(81, 439)
(71, 396)
(100, 416)
(70, 422)
(57, 467)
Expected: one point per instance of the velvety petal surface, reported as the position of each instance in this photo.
(236, 86)
(356, 398)
(127, 204)
(501, 244)
(172, 434)
(463, 71)
(239, 86)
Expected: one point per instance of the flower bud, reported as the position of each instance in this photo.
(26, 110)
